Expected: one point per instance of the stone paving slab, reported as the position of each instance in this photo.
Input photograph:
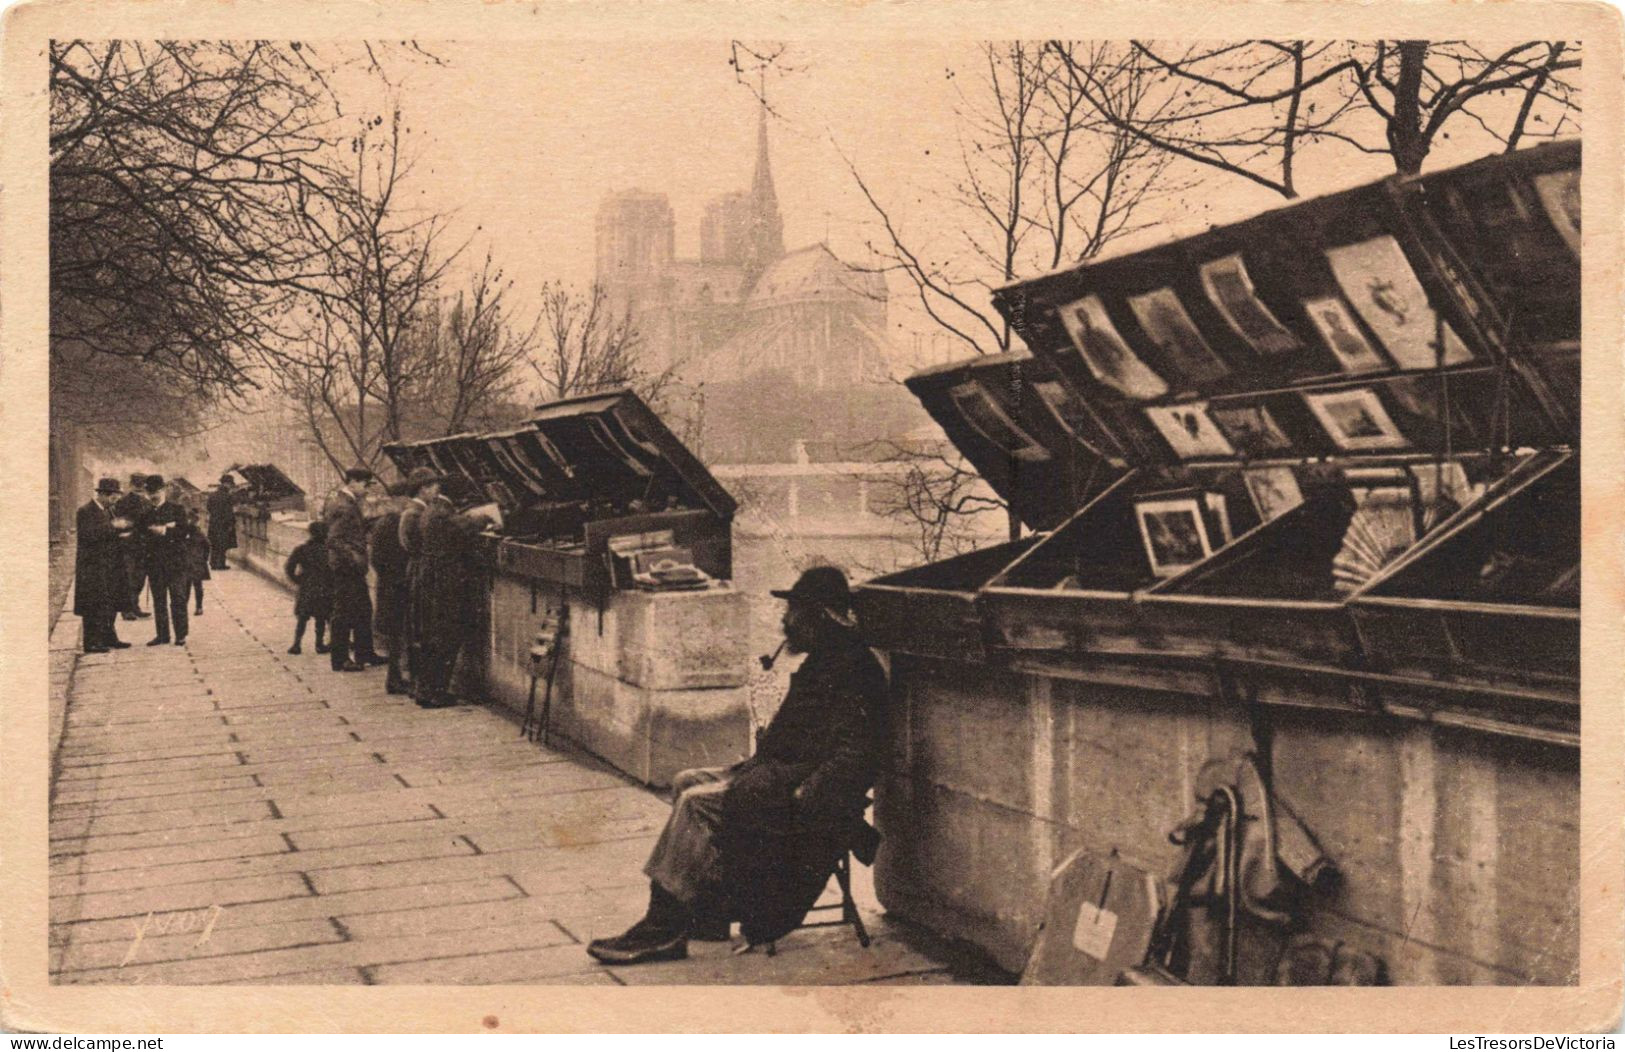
(260, 819)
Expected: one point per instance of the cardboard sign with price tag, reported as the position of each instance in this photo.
(1097, 921)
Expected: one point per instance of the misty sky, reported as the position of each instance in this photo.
(523, 141)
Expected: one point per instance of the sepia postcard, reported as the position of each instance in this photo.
(1042, 517)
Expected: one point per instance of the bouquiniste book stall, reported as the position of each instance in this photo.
(1320, 467)
(609, 524)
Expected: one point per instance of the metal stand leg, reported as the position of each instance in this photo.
(849, 908)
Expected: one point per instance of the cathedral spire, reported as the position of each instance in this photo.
(766, 239)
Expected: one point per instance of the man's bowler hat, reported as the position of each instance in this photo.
(822, 586)
(358, 474)
(108, 486)
(155, 483)
(419, 477)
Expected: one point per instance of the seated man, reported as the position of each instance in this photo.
(801, 795)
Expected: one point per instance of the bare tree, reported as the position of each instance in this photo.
(363, 354)
(181, 179)
(936, 493)
(586, 344)
(475, 348)
(1038, 181)
(1251, 108)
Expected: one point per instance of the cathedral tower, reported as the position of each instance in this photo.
(764, 241)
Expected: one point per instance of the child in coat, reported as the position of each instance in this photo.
(197, 557)
(308, 569)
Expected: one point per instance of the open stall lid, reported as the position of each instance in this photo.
(267, 479)
(1040, 447)
(1414, 316)
(612, 447)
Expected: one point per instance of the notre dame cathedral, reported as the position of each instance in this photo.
(788, 347)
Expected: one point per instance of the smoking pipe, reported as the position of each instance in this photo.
(768, 659)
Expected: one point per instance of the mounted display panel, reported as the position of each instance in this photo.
(1284, 411)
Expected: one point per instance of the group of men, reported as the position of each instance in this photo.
(421, 549)
(130, 542)
(753, 842)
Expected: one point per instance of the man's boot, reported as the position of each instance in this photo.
(393, 683)
(660, 936)
(711, 922)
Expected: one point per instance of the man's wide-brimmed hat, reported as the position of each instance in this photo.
(108, 486)
(418, 477)
(823, 586)
(227, 479)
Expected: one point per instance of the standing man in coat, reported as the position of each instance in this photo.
(347, 555)
(167, 557)
(100, 588)
(757, 841)
(222, 508)
(444, 599)
(134, 508)
(422, 485)
(392, 599)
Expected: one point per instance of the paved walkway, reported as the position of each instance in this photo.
(225, 812)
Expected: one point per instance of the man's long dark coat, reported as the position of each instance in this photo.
(389, 607)
(137, 509)
(347, 555)
(167, 556)
(98, 566)
(828, 740)
(446, 566)
(222, 506)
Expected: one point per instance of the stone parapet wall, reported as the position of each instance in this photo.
(651, 683)
(1459, 851)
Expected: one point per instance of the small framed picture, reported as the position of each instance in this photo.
(1378, 279)
(1559, 194)
(1231, 289)
(1175, 536)
(1104, 353)
(1343, 338)
(1067, 409)
(979, 409)
(1190, 431)
(1250, 428)
(1356, 420)
(1275, 491)
(1164, 320)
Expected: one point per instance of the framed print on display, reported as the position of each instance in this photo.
(1337, 327)
(1378, 279)
(1231, 289)
(1275, 491)
(1356, 420)
(1174, 534)
(989, 420)
(1250, 428)
(1190, 431)
(1165, 322)
(1104, 352)
(1067, 409)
